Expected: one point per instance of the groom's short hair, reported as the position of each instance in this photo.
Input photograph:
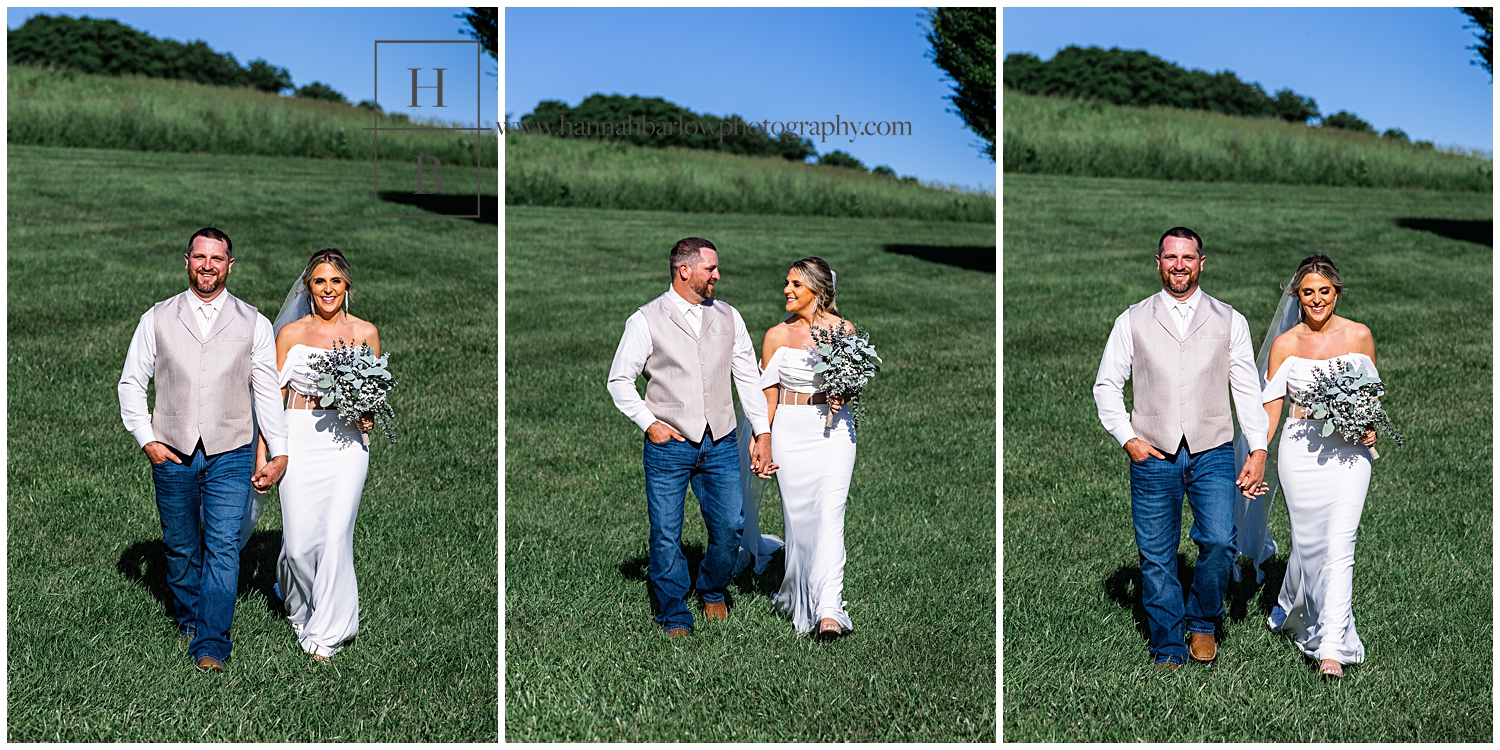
(212, 234)
(689, 251)
(1180, 233)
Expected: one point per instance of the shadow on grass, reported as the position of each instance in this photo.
(747, 582)
(1123, 587)
(145, 563)
(449, 205)
(1466, 230)
(973, 258)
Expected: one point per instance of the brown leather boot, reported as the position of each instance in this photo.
(1201, 647)
(209, 664)
(677, 632)
(715, 611)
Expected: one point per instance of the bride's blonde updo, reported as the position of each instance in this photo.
(817, 276)
(1321, 265)
(332, 256)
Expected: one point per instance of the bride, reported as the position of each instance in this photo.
(1324, 479)
(327, 463)
(815, 462)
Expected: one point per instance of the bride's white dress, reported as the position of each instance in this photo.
(816, 463)
(1324, 480)
(325, 475)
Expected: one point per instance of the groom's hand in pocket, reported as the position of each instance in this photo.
(1139, 449)
(659, 432)
(158, 453)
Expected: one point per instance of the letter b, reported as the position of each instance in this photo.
(436, 165)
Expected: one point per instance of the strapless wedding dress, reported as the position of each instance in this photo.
(816, 463)
(1324, 480)
(325, 476)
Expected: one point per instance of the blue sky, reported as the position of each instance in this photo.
(1394, 67)
(864, 64)
(332, 45)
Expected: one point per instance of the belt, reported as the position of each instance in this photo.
(793, 398)
(295, 400)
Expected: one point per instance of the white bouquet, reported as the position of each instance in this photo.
(846, 363)
(358, 382)
(1350, 403)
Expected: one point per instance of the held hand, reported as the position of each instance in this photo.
(159, 453)
(1369, 439)
(1139, 449)
(1250, 479)
(269, 474)
(659, 433)
(760, 456)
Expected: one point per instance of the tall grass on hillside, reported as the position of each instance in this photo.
(49, 107)
(1045, 135)
(551, 171)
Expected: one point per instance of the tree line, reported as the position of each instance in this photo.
(1140, 79)
(108, 47)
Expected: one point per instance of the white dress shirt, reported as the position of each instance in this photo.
(635, 348)
(1119, 353)
(140, 367)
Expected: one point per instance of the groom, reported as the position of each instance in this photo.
(690, 348)
(1185, 353)
(211, 356)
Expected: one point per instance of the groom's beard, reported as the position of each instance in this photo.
(1179, 287)
(704, 290)
(214, 286)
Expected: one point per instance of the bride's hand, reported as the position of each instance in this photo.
(836, 402)
(366, 423)
(1369, 438)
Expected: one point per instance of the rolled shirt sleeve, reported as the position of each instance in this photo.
(630, 360)
(140, 366)
(264, 378)
(1244, 384)
(1109, 383)
(746, 370)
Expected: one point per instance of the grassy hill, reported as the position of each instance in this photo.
(1076, 669)
(1045, 135)
(92, 653)
(561, 172)
(48, 107)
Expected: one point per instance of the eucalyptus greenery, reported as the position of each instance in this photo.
(1349, 400)
(846, 363)
(358, 382)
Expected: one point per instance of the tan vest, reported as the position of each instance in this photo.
(688, 377)
(1181, 384)
(203, 388)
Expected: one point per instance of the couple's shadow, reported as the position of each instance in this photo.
(746, 583)
(145, 564)
(1123, 587)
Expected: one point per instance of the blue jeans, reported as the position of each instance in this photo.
(1156, 489)
(202, 503)
(712, 467)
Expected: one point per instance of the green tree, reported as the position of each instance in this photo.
(840, 159)
(1291, 107)
(1484, 20)
(963, 45)
(1345, 120)
(484, 25)
(268, 77)
(1396, 134)
(322, 92)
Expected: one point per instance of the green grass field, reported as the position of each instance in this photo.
(1418, 265)
(95, 238)
(575, 173)
(47, 107)
(584, 659)
(1048, 135)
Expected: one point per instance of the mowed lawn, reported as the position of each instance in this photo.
(584, 659)
(1417, 265)
(95, 238)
